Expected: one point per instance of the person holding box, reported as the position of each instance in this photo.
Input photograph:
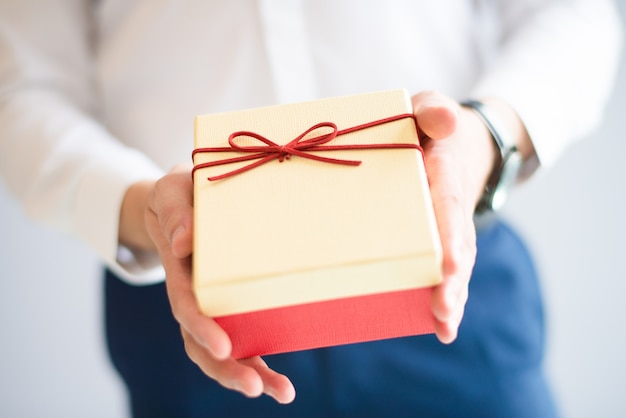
(97, 101)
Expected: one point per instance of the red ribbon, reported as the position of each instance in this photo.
(298, 146)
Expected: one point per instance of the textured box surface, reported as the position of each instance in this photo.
(286, 244)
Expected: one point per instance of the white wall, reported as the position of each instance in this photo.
(52, 357)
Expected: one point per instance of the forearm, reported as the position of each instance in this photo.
(67, 170)
(554, 64)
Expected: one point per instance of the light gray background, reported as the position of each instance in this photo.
(52, 357)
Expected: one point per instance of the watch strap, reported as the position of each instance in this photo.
(505, 145)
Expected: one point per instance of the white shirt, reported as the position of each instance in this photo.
(95, 95)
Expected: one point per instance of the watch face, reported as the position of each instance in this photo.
(508, 176)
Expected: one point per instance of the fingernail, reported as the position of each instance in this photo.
(271, 393)
(452, 299)
(218, 351)
(274, 395)
(444, 313)
(208, 346)
(432, 103)
(177, 233)
(237, 387)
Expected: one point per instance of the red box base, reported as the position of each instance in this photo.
(329, 323)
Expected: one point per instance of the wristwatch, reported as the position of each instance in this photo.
(507, 166)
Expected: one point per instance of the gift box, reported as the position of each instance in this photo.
(313, 224)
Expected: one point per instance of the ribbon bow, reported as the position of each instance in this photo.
(299, 146)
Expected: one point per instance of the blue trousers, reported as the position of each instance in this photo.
(493, 369)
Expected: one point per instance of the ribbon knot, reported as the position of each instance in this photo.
(284, 154)
(300, 146)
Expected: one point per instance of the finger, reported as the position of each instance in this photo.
(182, 299)
(437, 115)
(457, 234)
(249, 376)
(447, 330)
(228, 372)
(459, 251)
(185, 309)
(275, 384)
(172, 203)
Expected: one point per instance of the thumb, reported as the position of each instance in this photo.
(172, 204)
(437, 115)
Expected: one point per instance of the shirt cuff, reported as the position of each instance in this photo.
(96, 215)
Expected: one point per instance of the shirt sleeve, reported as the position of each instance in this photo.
(64, 167)
(555, 64)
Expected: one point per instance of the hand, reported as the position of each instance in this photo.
(169, 222)
(459, 155)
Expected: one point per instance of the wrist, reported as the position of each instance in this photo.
(482, 152)
(513, 124)
(507, 133)
(132, 231)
